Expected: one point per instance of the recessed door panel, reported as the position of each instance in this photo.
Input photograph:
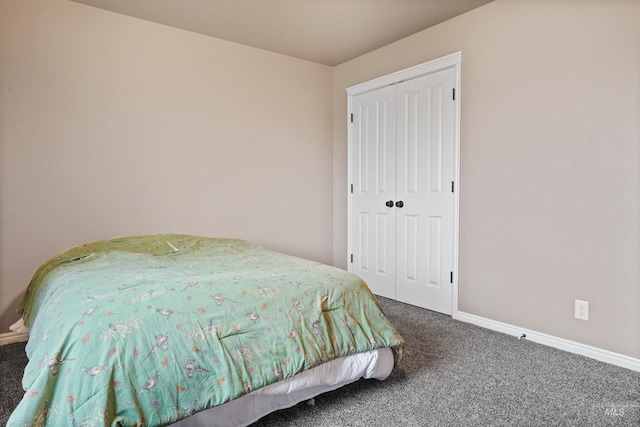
(364, 244)
(410, 122)
(434, 251)
(382, 244)
(364, 149)
(434, 146)
(411, 260)
(382, 148)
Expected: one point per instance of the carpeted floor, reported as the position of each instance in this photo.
(12, 362)
(453, 374)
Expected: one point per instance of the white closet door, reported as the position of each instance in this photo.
(425, 166)
(373, 162)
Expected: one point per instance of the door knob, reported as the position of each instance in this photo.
(389, 204)
(399, 204)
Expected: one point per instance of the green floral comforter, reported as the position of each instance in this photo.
(148, 330)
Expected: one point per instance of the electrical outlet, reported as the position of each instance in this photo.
(582, 310)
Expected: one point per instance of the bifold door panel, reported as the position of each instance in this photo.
(402, 205)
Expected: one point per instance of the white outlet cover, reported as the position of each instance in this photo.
(582, 310)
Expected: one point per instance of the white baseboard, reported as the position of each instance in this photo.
(13, 337)
(551, 341)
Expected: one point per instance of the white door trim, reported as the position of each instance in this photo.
(449, 61)
(453, 60)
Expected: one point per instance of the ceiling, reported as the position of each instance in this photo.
(328, 32)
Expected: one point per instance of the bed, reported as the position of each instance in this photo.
(170, 329)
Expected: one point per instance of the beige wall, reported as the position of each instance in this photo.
(111, 125)
(550, 163)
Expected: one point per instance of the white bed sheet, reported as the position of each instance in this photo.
(374, 364)
(19, 327)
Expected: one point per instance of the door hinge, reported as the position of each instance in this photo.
(451, 278)
(351, 117)
(454, 94)
(351, 258)
(452, 187)
(351, 188)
